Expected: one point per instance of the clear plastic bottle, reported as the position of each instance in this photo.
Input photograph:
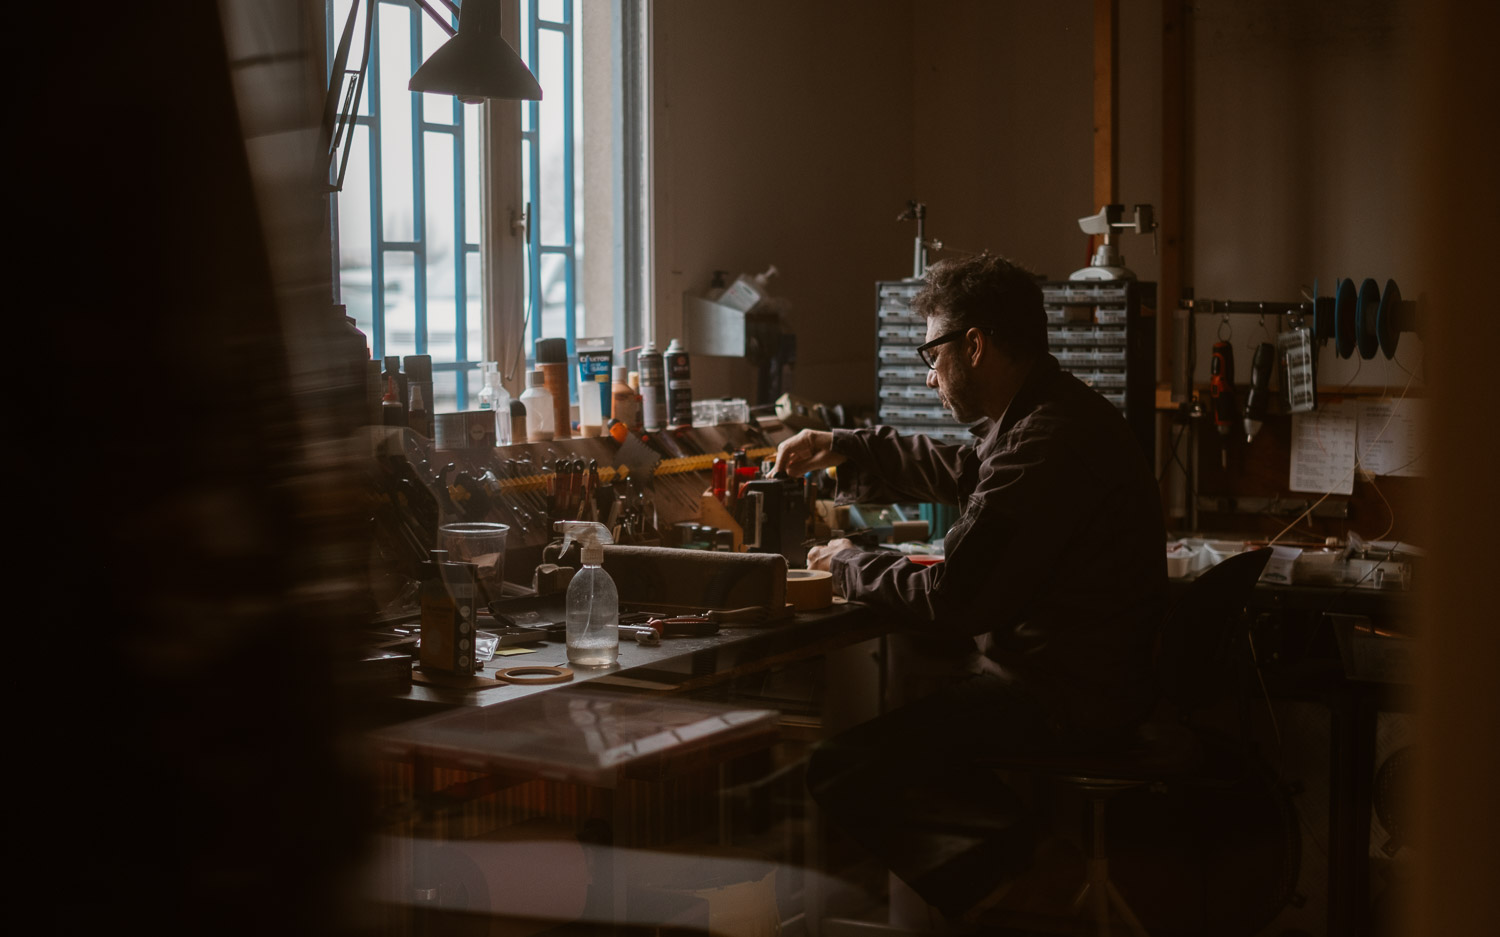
(747, 292)
(593, 601)
(494, 396)
(539, 422)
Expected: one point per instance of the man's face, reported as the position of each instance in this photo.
(953, 378)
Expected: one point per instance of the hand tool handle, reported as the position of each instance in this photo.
(1221, 386)
(1259, 397)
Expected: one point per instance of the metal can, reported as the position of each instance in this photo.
(653, 388)
(679, 386)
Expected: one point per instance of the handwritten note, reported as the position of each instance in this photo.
(1389, 439)
(1323, 449)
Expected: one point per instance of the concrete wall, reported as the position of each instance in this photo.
(1304, 121)
(783, 136)
(1003, 128)
(792, 133)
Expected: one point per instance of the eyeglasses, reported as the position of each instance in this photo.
(924, 351)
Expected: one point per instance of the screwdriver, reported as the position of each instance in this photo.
(1259, 398)
(1221, 394)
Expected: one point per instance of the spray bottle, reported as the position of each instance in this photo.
(593, 601)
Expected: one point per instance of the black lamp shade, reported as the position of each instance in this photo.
(477, 63)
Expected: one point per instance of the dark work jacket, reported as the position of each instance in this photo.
(1055, 577)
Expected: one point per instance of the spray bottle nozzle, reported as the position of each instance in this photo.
(591, 537)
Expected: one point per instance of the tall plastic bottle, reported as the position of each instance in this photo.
(625, 403)
(593, 600)
(494, 396)
(539, 409)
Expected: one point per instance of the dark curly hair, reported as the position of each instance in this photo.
(988, 292)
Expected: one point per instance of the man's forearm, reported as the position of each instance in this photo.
(882, 466)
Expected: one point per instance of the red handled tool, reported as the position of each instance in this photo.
(721, 479)
(1221, 395)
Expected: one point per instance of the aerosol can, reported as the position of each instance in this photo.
(653, 389)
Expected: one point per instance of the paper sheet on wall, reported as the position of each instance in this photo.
(1389, 439)
(1323, 449)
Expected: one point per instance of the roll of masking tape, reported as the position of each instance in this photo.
(534, 675)
(809, 590)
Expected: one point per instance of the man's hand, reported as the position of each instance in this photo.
(818, 557)
(807, 451)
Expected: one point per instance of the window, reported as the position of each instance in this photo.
(551, 176)
(408, 214)
(408, 218)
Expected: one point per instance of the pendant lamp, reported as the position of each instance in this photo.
(477, 63)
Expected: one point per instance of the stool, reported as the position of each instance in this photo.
(1192, 654)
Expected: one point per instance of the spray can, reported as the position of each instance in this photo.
(653, 388)
(679, 386)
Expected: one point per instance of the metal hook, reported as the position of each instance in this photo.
(1223, 325)
(1265, 329)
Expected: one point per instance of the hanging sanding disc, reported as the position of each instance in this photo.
(1385, 320)
(1365, 315)
(1322, 315)
(1346, 298)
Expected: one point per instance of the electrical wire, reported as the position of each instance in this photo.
(1265, 691)
(1176, 440)
(1368, 449)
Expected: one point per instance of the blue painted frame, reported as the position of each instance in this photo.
(468, 253)
(530, 136)
(465, 252)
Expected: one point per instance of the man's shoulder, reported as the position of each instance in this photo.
(1066, 416)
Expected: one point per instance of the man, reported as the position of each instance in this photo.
(1047, 601)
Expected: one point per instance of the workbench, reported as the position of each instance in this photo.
(631, 749)
(1326, 721)
(679, 665)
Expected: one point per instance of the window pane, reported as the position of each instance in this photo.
(354, 232)
(554, 293)
(553, 210)
(445, 392)
(437, 108)
(395, 125)
(475, 384)
(551, 10)
(442, 268)
(400, 304)
(472, 127)
(475, 306)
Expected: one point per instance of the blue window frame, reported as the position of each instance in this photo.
(549, 132)
(409, 213)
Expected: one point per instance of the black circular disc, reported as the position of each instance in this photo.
(1365, 313)
(1385, 321)
(1346, 297)
(1322, 315)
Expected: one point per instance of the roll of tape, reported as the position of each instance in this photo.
(809, 590)
(534, 675)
